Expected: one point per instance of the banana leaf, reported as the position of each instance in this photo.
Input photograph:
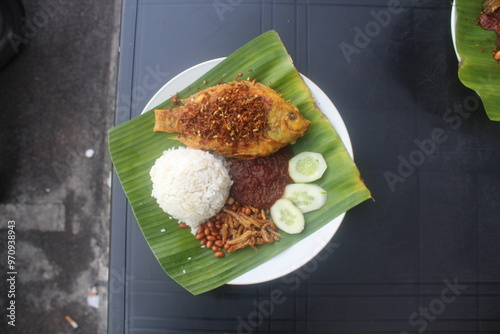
(477, 70)
(134, 147)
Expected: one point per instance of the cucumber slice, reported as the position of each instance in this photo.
(287, 216)
(306, 167)
(307, 197)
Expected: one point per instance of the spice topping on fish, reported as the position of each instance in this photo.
(239, 119)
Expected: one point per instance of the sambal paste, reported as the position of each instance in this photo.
(260, 182)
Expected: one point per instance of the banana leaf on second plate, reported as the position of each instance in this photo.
(478, 70)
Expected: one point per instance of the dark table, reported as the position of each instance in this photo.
(422, 257)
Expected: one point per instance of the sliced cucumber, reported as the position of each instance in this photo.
(287, 216)
(306, 167)
(307, 197)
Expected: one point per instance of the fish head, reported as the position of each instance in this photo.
(295, 122)
(287, 124)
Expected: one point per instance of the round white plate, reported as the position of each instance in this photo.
(453, 20)
(299, 254)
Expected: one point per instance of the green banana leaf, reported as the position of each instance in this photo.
(134, 147)
(478, 70)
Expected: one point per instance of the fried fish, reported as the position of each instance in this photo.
(239, 119)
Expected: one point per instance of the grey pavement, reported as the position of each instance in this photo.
(56, 103)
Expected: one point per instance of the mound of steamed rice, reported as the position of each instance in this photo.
(190, 185)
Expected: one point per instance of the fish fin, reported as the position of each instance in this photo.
(165, 121)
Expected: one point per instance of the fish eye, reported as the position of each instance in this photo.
(292, 116)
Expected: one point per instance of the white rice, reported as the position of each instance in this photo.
(190, 185)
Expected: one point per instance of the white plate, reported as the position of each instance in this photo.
(305, 250)
(453, 20)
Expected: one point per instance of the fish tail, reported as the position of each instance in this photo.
(165, 121)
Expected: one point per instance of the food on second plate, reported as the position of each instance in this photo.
(490, 6)
(260, 182)
(190, 185)
(490, 20)
(307, 167)
(287, 216)
(306, 196)
(239, 119)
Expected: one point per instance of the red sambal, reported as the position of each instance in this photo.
(260, 182)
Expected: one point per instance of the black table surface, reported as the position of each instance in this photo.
(422, 257)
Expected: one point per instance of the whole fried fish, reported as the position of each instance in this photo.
(239, 119)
